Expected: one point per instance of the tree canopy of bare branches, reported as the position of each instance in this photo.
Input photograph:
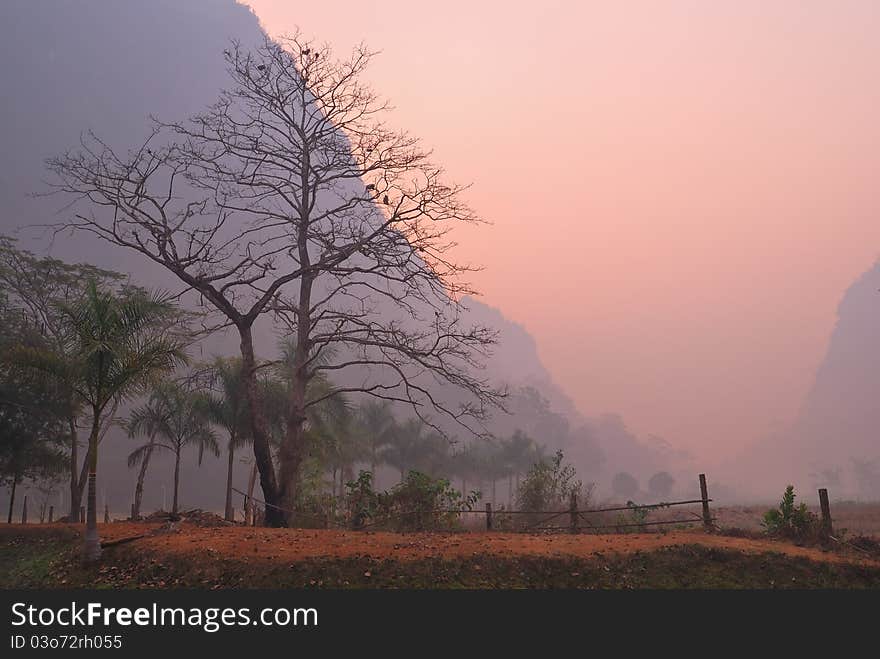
(290, 198)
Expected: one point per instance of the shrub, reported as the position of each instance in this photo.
(364, 503)
(548, 485)
(790, 520)
(419, 502)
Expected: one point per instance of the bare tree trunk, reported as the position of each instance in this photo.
(291, 454)
(11, 499)
(510, 491)
(259, 432)
(92, 546)
(176, 481)
(230, 513)
(139, 488)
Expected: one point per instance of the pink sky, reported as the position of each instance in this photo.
(681, 191)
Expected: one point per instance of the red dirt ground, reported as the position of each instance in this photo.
(300, 544)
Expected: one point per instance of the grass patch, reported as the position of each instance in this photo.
(51, 561)
(32, 560)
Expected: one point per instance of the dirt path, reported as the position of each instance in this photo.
(301, 544)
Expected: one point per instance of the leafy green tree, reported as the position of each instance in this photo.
(179, 418)
(115, 343)
(36, 289)
(31, 422)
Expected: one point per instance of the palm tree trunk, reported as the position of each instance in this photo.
(249, 500)
(230, 513)
(11, 500)
(76, 489)
(176, 481)
(92, 546)
(81, 487)
(139, 488)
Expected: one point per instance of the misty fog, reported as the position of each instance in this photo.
(70, 67)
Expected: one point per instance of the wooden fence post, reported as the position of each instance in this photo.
(82, 514)
(827, 528)
(51, 513)
(704, 495)
(488, 516)
(573, 512)
(24, 510)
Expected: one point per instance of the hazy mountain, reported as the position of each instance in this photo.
(834, 441)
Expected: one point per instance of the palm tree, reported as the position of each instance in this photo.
(493, 465)
(519, 453)
(229, 411)
(464, 463)
(117, 342)
(183, 420)
(331, 430)
(411, 446)
(376, 423)
(144, 420)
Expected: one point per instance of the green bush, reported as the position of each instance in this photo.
(419, 502)
(548, 485)
(790, 520)
(547, 488)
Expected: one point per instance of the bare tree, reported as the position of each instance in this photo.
(290, 197)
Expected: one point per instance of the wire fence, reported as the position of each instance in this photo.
(574, 519)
